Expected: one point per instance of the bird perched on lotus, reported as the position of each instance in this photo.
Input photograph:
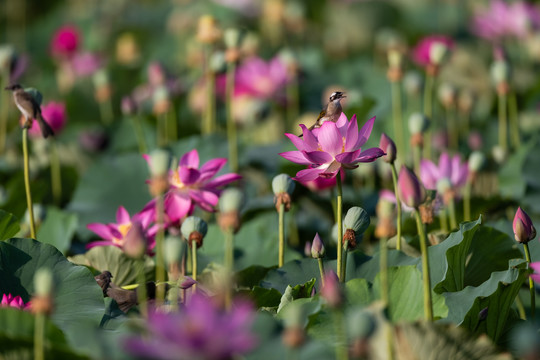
(331, 112)
(28, 101)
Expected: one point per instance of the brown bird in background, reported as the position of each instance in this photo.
(30, 109)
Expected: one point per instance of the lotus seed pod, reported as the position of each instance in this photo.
(412, 82)
(443, 185)
(418, 123)
(500, 71)
(437, 52)
(159, 162)
(282, 183)
(193, 224)
(356, 219)
(231, 37)
(173, 248)
(43, 282)
(231, 199)
(477, 160)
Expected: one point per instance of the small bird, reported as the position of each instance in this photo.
(331, 112)
(30, 109)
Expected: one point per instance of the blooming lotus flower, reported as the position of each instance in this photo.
(190, 186)
(524, 230)
(65, 41)
(431, 49)
(115, 234)
(504, 20)
(13, 301)
(451, 170)
(331, 147)
(261, 79)
(200, 331)
(54, 114)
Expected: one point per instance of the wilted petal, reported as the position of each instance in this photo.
(190, 159)
(296, 157)
(330, 139)
(318, 157)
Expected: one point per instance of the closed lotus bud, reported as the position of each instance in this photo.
(418, 123)
(128, 106)
(389, 147)
(43, 282)
(194, 229)
(307, 249)
(159, 162)
(331, 291)
(437, 52)
(173, 248)
(412, 82)
(135, 241)
(317, 247)
(524, 230)
(476, 161)
(156, 74)
(411, 191)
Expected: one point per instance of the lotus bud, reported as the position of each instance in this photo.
(135, 241)
(282, 186)
(161, 100)
(475, 141)
(156, 74)
(128, 106)
(317, 247)
(437, 52)
(418, 123)
(412, 83)
(331, 291)
(477, 160)
(411, 191)
(194, 229)
(524, 230)
(307, 249)
(173, 248)
(186, 283)
(389, 147)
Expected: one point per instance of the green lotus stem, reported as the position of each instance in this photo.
(443, 220)
(514, 120)
(229, 266)
(520, 308)
(56, 176)
(428, 112)
(398, 206)
(141, 289)
(161, 130)
(209, 121)
(321, 270)
(281, 258)
(172, 133)
(139, 134)
(467, 200)
(383, 263)
(39, 336)
(106, 112)
(453, 134)
(339, 209)
(4, 111)
(160, 263)
(231, 126)
(342, 352)
(399, 133)
(29, 202)
(194, 263)
(344, 265)
(503, 141)
(531, 283)
(293, 96)
(428, 306)
(452, 213)
(417, 156)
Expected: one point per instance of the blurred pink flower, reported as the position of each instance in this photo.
(536, 275)
(451, 169)
(115, 233)
(331, 147)
(86, 64)
(54, 114)
(424, 53)
(389, 196)
(65, 41)
(411, 190)
(504, 20)
(199, 331)
(261, 79)
(13, 301)
(190, 186)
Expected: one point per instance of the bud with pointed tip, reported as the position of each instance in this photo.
(135, 241)
(317, 247)
(194, 229)
(389, 147)
(411, 191)
(331, 291)
(524, 230)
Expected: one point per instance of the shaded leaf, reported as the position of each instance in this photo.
(58, 228)
(9, 225)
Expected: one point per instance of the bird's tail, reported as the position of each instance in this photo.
(46, 129)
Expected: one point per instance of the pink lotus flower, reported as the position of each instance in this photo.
(65, 41)
(331, 147)
(200, 331)
(190, 186)
(428, 50)
(536, 275)
(54, 114)
(261, 79)
(115, 233)
(504, 20)
(524, 230)
(321, 183)
(449, 169)
(13, 301)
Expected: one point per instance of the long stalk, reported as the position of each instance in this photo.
(383, 253)
(399, 133)
(514, 120)
(39, 335)
(452, 213)
(341, 345)
(194, 263)
(139, 134)
(231, 126)
(467, 200)
(428, 306)
(141, 289)
(339, 209)
(398, 206)
(344, 265)
(160, 263)
(503, 135)
(229, 266)
(428, 112)
(56, 175)
(29, 202)
(321, 270)
(531, 283)
(281, 234)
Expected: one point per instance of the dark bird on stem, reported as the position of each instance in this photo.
(331, 112)
(30, 108)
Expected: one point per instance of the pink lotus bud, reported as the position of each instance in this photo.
(307, 249)
(331, 291)
(523, 227)
(411, 191)
(65, 41)
(135, 241)
(317, 248)
(389, 147)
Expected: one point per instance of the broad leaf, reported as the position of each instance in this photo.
(58, 228)
(9, 225)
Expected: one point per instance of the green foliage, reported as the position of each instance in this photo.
(9, 225)
(58, 228)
